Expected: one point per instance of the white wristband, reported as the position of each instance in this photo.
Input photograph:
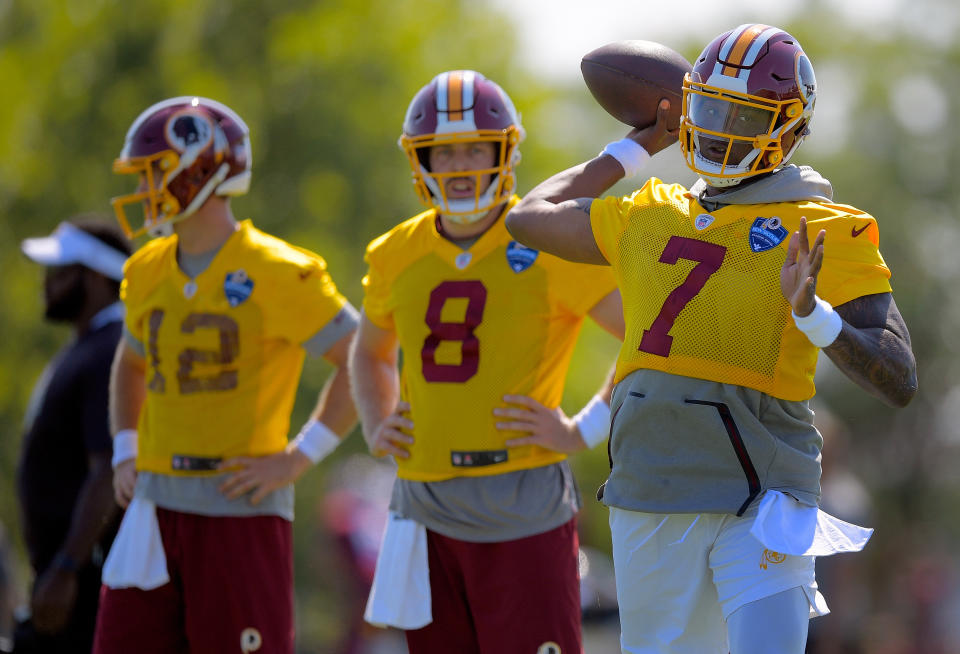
(629, 154)
(822, 326)
(316, 440)
(593, 421)
(124, 446)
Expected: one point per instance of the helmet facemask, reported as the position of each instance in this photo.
(431, 186)
(726, 136)
(747, 104)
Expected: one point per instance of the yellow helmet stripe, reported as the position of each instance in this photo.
(740, 48)
(455, 95)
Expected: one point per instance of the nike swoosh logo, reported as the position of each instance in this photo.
(854, 232)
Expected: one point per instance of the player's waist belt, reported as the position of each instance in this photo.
(477, 458)
(187, 463)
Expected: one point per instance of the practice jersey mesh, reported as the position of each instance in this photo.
(701, 292)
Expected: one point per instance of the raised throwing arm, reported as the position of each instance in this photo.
(555, 216)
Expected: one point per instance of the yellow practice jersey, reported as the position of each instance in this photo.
(474, 325)
(223, 351)
(701, 291)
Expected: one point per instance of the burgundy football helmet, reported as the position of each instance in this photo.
(455, 107)
(747, 104)
(184, 149)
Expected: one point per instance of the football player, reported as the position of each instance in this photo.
(486, 328)
(715, 478)
(219, 317)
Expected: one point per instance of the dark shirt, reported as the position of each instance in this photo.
(67, 421)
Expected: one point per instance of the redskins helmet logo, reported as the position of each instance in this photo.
(549, 647)
(189, 129)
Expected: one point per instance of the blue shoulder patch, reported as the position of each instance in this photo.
(766, 234)
(237, 287)
(520, 257)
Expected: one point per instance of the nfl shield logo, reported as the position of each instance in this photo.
(520, 257)
(702, 221)
(766, 234)
(237, 287)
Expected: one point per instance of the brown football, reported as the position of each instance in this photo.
(628, 78)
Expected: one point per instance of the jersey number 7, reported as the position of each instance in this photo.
(709, 256)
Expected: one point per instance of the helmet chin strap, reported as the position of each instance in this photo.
(166, 228)
(705, 166)
(467, 211)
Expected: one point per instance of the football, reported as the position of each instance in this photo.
(628, 79)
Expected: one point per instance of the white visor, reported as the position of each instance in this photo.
(69, 244)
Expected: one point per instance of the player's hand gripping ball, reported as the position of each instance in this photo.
(628, 79)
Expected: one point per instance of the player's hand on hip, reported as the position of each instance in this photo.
(54, 594)
(262, 475)
(658, 136)
(798, 277)
(549, 428)
(124, 479)
(391, 435)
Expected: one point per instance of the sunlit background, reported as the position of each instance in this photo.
(324, 86)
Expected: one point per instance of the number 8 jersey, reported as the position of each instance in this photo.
(701, 291)
(224, 351)
(474, 325)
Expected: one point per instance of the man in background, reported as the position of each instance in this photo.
(64, 478)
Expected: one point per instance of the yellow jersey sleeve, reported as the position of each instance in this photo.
(579, 286)
(142, 272)
(303, 297)
(377, 305)
(852, 263)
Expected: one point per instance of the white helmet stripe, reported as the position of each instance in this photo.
(750, 58)
(728, 44)
(442, 92)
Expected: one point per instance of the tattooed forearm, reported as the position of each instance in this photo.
(873, 349)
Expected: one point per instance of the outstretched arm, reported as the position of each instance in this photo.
(871, 344)
(555, 216)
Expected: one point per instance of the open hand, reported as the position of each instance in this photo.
(549, 428)
(262, 474)
(798, 277)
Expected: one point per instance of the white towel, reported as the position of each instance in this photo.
(136, 558)
(787, 526)
(400, 594)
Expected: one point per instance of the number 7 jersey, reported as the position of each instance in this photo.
(224, 351)
(701, 291)
(474, 325)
